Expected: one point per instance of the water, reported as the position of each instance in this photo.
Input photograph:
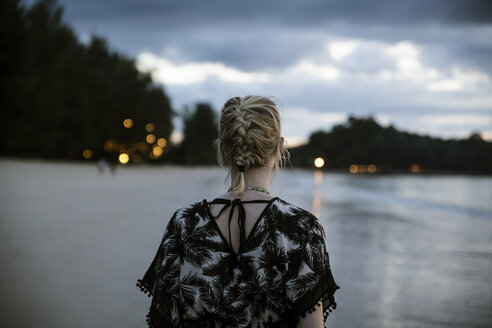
(407, 251)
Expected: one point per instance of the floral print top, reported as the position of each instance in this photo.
(281, 271)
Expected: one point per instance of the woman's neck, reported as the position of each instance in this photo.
(258, 177)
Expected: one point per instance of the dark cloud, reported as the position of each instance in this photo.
(273, 35)
(197, 13)
(256, 35)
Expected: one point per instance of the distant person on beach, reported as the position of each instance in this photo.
(102, 164)
(244, 258)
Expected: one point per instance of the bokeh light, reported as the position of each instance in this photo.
(157, 151)
(150, 138)
(415, 168)
(162, 142)
(353, 169)
(124, 158)
(150, 127)
(128, 123)
(319, 162)
(87, 153)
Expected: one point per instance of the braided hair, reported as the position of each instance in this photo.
(249, 135)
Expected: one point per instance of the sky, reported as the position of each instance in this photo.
(423, 66)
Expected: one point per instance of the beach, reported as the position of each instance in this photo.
(406, 250)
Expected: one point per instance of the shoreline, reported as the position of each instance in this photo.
(396, 172)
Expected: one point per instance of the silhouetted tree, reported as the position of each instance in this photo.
(59, 96)
(200, 130)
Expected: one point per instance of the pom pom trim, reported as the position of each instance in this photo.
(327, 296)
(144, 288)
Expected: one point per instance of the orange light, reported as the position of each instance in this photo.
(150, 138)
(319, 162)
(414, 168)
(128, 123)
(371, 168)
(124, 158)
(111, 145)
(87, 153)
(157, 151)
(162, 142)
(318, 177)
(149, 127)
(353, 168)
(317, 203)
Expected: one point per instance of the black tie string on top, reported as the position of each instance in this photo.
(241, 217)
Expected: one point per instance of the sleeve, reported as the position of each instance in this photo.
(161, 280)
(310, 279)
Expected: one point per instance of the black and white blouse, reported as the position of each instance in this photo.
(281, 271)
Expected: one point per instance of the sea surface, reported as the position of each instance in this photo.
(406, 250)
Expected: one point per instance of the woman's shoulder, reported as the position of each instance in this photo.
(190, 208)
(186, 212)
(290, 210)
(296, 219)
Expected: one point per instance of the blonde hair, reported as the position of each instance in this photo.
(249, 135)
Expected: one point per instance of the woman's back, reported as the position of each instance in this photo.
(244, 259)
(280, 271)
(228, 218)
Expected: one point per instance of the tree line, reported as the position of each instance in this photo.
(362, 141)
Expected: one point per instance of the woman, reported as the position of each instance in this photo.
(245, 258)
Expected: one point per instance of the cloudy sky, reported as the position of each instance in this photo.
(421, 65)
